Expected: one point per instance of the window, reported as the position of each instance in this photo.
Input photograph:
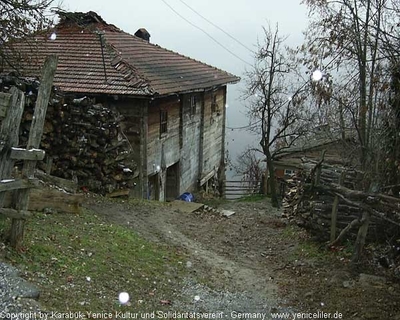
(193, 102)
(214, 104)
(288, 172)
(163, 122)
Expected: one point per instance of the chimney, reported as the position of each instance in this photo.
(143, 33)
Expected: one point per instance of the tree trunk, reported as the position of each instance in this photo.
(272, 183)
(361, 236)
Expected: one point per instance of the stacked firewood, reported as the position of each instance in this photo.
(83, 141)
(310, 204)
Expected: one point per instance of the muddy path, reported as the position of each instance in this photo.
(254, 262)
(224, 272)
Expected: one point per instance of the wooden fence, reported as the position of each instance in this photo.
(332, 202)
(11, 110)
(241, 188)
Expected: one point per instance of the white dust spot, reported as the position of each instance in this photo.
(317, 75)
(123, 297)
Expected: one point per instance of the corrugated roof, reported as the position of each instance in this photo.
(95, 57)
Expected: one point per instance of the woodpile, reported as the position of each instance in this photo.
(82, 139)
(310, 204)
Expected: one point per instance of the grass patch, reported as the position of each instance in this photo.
(291, 232)
(213, 202)
(253, 198)
(81, 263)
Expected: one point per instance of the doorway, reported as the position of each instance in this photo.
(154, 187)
(172, 182)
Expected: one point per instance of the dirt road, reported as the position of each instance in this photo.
(253, 263)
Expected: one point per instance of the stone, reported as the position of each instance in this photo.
(7, 270)
(368, 280)
(348, 284)
(23, 289)
(227, 213)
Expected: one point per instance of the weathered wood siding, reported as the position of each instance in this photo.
(191, 141)
(214, 122)
(163, 151)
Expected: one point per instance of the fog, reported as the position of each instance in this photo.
(173, 25)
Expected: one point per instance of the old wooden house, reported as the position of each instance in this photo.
(172, 107)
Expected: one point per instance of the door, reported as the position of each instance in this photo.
(172, 182)
(154, 187)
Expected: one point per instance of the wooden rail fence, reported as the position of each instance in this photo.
(11, 109)
(241, 188)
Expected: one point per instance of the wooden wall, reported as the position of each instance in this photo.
(194, 140)
(163, 150)
(214, 123)
(191, 141)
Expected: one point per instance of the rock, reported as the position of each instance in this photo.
(348, 284)
(368, 280)
(27, 305)
(391, 290)
(340, 276)
(16, 294)
(227, 213)
(23, 289)
(7, 270)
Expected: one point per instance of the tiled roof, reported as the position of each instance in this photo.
(124, 65)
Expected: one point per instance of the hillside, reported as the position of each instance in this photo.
(167, 260)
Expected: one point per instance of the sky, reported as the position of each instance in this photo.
(241, 19)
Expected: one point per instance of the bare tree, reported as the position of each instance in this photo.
(18, 20)
(347, 39)
(251, 167)
(274, 111)
(355, 42)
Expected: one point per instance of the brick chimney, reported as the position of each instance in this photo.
(143, 33)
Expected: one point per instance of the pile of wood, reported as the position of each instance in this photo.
(82, 139)
(309, 203)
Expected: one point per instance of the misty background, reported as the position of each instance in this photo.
(177, 25)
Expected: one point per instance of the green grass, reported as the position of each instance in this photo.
(61, 252)
(253, 198)
(306, 248)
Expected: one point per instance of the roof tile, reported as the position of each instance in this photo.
(95, 57)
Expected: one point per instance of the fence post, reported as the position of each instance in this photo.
(361, 236)
(9, 132)
(335, 209)
(21, 197)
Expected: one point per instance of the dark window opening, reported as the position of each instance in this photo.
(193, 102)
(163, 122)
(214, 104)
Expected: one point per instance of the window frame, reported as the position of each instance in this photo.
(163, 122)
(214, 104)
(193, 104)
